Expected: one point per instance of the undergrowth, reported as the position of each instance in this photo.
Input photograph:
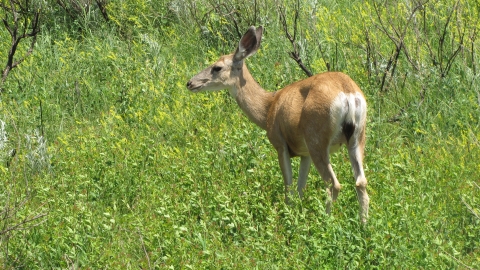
(122, 167)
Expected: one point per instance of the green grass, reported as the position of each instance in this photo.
(144, 174)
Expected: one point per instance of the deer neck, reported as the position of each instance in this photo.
(252, 98)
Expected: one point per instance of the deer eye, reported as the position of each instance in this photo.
(216, 69)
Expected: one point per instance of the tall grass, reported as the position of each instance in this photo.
(139, 173)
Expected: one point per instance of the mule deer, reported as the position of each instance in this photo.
(310, 118)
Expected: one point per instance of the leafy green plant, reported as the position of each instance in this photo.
(139, 173)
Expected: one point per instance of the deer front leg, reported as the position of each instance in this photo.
(286, 167)
(305, 163)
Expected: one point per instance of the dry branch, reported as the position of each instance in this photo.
(469, 207)
(397, 36)
(18, 31)
(102, 6)
(295, 55)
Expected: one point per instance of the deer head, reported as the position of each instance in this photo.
(226, 72)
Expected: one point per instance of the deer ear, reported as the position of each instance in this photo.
(249, 43)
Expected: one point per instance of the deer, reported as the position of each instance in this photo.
(310, 118)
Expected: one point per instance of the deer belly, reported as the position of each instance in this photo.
(298, 148)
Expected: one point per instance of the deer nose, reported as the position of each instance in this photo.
(189, 83)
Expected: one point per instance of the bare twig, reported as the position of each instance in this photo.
(102, 6)
(70, 263)
(397, 37)
(9, 212)
(458, 261)
(192, 8)
(18, 31)
(241, 13)
(144, 249)
(295, 55)
(74, 8)
(473, 37)
(440, 58)
(476, 185)
(469, 207)
(370, 56)
(21, 226)
(445, 69)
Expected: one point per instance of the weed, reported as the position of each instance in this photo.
(135, 172)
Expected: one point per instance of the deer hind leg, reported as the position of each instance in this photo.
(355, 152)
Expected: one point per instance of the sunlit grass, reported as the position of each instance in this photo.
(143, 174)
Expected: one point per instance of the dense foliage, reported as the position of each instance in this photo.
(107, 160)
